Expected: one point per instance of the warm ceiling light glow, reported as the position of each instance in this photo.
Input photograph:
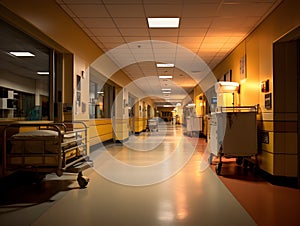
(165, 76)
(224, 87)
(235, 84)
(164, 65)
(191, 105)
(163, 22)
(22, 54)
(43, 72)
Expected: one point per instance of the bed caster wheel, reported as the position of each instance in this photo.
(218, 168)
(239, 161)
(59, 173)
(82, 180)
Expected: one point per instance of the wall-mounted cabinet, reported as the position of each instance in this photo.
(7, 104)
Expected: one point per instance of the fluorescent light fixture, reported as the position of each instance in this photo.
(166, 92)
(100, 92)
(226, 87)
(165, 65)
(163, 22)
(22, 54)
(234, 84)
(191, 105)
(166, 89)
(165, 76)
(43, 72)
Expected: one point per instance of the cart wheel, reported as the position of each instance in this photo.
(218, 168)
(210, 159)
(82, 180)
(239, 160)
(59, 172)
(255, 170)
(245, 164)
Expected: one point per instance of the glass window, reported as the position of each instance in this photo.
(101, 100)
(24, 89)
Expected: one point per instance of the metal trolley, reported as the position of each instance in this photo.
(43, 148)
(233, 134)
(153, 124)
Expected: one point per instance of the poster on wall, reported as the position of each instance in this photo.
(243, 74)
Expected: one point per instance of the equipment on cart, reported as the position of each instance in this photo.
(233, 134)
(153, 124)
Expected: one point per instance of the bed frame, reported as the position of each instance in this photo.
(44, 148)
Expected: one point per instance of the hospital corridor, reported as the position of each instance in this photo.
(149, 112)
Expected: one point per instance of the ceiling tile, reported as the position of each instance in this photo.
(105, 32)
(163, 32)
(199, 22)
(163, 10)
(244, 9)
(234, 22)
(219, 32)
(187, 40)
(115, 39)
(134, 32)
(166, 39)
(212, 40)
(135, 22)
(188, 32)
(193, 45)
(111, 45)
(86, 10)
(144, 44)
(199, 10)
(96, 22)
(126, 10)
(136, 39)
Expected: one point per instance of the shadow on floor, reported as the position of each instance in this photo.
(233, 171)
(19, 191)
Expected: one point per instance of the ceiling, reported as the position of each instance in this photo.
(208, 32)
(209, 29)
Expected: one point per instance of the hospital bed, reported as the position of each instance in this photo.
(43, 148)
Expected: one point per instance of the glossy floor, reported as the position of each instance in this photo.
(158, 178)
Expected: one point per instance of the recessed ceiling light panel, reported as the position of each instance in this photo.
(164, 65)
(22, 54)
(43, 72)
(165, 76)
(163, 22)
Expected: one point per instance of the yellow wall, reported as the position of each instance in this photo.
(140, 124)
(258, 48)
(100, 130)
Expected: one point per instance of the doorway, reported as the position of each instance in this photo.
(286, 92)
